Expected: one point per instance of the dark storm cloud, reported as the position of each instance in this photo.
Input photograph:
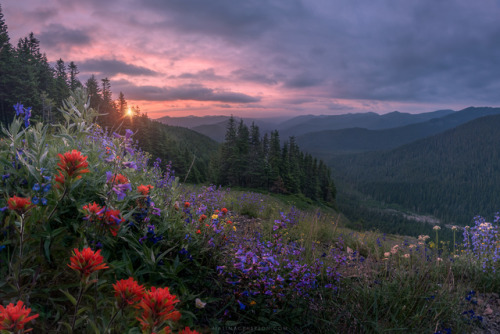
(303, 80)
(193, 92)
(208, 74)
(428, 51)
(252, 76)
(233, 21)
(57, 35)
(110, 67)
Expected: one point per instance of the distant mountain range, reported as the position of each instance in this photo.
(372, 121)
(351, 140)
(215, 126)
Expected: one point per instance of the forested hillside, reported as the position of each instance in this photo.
(453, 175)
(248, 160)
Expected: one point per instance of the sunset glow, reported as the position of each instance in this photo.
(282, 58)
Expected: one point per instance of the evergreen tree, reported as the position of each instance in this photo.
(229, 155)
(242, 150)
(121, 104)
(256, 163)
(94, 92)
(6, 73)
(73, 80)
(61, 83)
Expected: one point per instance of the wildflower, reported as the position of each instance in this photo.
(13, 318)
(253, 302)
(117, 178)
(454, 228)
(387, 254)
(130, 164)
(199, 304)
(157, 307)
(72, 165)
(26, 113)
(144, 190)
(215, 216)
(187, 204)
(113, 220)
(439, 259)
(202, 218)
(87, 261)
(436, 228)
(394, 249)
(93, 211)
(406, 256)
(120, 184)
(19, 204)
(224, 211)
(128, 292)
(198, 231)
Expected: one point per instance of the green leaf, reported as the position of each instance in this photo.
(69, 296)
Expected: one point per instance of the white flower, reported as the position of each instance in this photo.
(437, 227)
(454, 228)
(199, 303)
(406, 256)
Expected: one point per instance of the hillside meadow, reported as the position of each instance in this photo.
(96, 238)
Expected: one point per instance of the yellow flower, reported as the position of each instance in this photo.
(253, 302)
(215, 216)
(234, 228)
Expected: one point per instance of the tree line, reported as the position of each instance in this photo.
(247, 159)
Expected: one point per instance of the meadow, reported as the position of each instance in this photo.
(97, 238)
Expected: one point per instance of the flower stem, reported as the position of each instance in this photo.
(111, 320)
(80, 294)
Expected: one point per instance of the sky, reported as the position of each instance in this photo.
(275, 58)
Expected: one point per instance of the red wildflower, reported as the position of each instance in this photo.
(198, 231)
(128, 292)
(229, 222)
(202, 218)
(188, 330)
(87, 261)
(144, 190)
(157, 307)
(118, 179)
(72, 165)
(224, 211)
(14, 317)
(113, 220)
(187, 204)
(93, 211)
(19, 204)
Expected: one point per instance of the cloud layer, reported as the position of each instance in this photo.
(266, 57)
